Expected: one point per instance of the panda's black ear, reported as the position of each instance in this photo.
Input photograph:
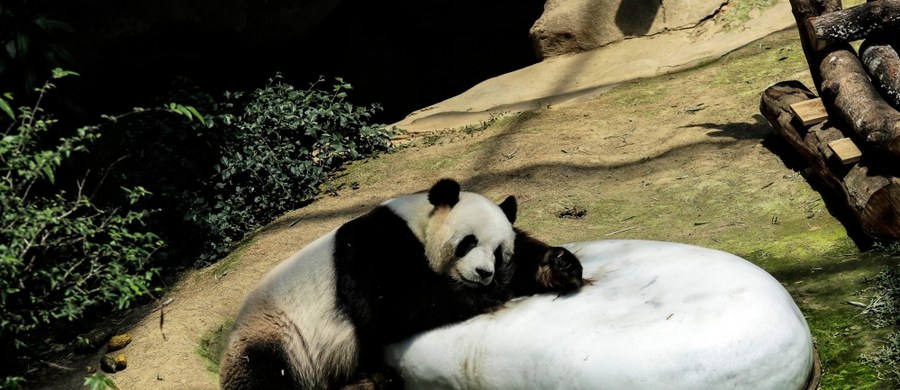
(444, 193)
(509, 208)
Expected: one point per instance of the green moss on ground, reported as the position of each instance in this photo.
(212, 345)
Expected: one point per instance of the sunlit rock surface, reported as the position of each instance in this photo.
(659, 316)
(571, 26)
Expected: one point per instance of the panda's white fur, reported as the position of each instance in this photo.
(441, 230)
(293, 332)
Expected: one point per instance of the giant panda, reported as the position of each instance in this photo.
(413, 263)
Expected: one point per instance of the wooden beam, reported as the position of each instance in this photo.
(845, 150)
(810, 111)
(855, 23)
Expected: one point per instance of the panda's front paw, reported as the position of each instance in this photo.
(560, 271)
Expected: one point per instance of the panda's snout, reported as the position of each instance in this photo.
(477, 267)
(485, 274)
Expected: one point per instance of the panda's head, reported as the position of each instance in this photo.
(468, 237)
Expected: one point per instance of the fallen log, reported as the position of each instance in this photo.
(810, 142)
(848, 93)
(804, 10)
(883, 64)
(776, 104)
(872, 199)
(856, 22)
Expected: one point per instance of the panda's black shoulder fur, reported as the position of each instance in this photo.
(387, 288)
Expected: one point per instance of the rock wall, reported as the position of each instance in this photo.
(571, 26)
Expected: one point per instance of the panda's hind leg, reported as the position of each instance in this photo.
(383, 377)
(267, 350)
(257, 364)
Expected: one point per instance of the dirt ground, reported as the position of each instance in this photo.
(684, 157)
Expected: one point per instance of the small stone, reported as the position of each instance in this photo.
(118, 342)
(108, 364)
(121, 362)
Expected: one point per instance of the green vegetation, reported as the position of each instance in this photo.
(827, 285)
(883, 312)
(742, 11)
(278, 144)
(887, 358)
(257, 155)
(99, 381)
(61, 254)
(74, 244)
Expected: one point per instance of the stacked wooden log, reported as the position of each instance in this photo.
(851, 136)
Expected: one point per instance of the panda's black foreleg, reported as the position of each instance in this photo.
(540, 268)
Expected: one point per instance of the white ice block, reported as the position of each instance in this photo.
(658, 316)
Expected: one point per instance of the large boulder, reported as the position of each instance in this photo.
(571, 26)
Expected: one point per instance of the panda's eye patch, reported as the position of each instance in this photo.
(498, 256)
(464, 246)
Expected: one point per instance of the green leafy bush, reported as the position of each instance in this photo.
(278, 145)
(71, 242)
(172, 157)
(60, 253)
(258, 154)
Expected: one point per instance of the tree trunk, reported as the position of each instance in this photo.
(857, 22)
(848, 93)
(883, 64)
(872, 199)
